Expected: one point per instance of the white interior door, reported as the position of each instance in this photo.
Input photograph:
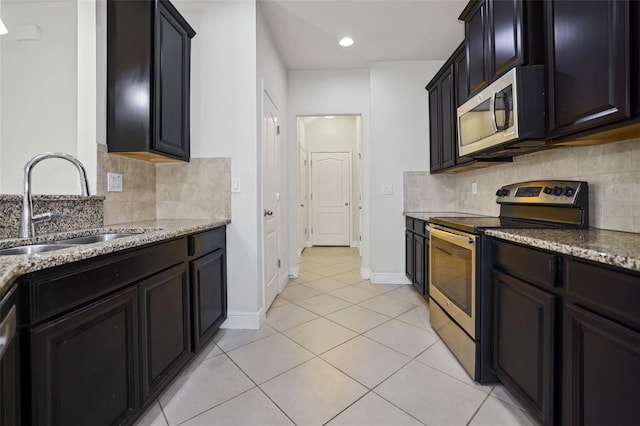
(270, 200)
(330, 195)
(303, 200)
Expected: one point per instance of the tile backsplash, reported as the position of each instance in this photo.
(199, 189)
(612, 171)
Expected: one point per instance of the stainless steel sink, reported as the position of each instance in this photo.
(33, 249)
(98, 238)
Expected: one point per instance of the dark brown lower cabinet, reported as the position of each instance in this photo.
(524, 322)
(209, 287)
(165, 327)
(418, 260)
(84, 368)
(601, 370)
(10, 361)
(408, 255)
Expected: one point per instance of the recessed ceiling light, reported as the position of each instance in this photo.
(346, 41)
(329, 116)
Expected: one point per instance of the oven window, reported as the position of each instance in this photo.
(451, 272)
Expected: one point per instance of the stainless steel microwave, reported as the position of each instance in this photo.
(506, 118)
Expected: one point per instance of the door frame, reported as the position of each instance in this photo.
(303, 238)
(309, 190)
(263, 148)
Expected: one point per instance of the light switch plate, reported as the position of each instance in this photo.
(387, 189)
(114, 182)
(235, 184)
(474, 187)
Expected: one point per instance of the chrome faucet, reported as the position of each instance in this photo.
(27, 219)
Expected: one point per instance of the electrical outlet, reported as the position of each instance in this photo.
(474, 187)
(114, 182)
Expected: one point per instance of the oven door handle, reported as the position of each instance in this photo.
(453, 238)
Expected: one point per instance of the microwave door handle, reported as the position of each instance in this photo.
(505, 124)
(492, 110)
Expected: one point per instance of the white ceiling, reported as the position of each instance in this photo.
(307, 31)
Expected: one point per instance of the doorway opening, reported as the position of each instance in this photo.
(329, 181)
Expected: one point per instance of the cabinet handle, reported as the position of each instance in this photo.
(268, 213)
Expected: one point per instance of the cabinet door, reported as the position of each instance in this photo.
(84, 365)
(601, 371)
(461, 95)
(434, 128)
(10, 360)
(165, 327)
(209, 289)
(505, 36)
(475, 36)
(408, 255)
(418, 261)
(448, 119)
(460, 73)
(172, 89)
(587, 64)
(524, 343)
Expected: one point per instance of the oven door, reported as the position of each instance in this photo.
(452, 275)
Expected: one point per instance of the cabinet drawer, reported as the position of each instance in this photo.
(418, 226)
(60, 289)
(206, 242)
(409, 223)
(613, 293)
(536, 267)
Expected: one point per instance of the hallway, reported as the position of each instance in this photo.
(334, 350)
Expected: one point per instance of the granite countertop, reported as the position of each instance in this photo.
(11, 267)
(621, 249)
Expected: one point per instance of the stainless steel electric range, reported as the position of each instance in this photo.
(460, 296)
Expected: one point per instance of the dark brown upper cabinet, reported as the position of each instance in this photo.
(148, 79)
(500, 35)
(442, 119)
(475, 36)
(592, 64)
(444, 99)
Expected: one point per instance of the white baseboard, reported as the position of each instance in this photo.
(365, 273)
(299, 252)
(283, 281)
(389, 278)
(294, 271)
(354, 244)
(244, 320)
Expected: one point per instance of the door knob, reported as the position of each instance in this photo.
(301, 205)
(268, 213)
(346, 204)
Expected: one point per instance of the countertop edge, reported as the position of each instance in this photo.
(625, 262)
(12, 267)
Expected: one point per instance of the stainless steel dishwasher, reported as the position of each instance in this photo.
(9, 361)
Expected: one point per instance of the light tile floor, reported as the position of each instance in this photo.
(334, 350)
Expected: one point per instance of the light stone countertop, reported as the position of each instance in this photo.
(426, 215)
(11, 267)
(621, 249)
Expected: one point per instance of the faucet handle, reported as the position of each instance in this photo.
(45, 217)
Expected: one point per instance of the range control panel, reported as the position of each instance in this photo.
(555, 192)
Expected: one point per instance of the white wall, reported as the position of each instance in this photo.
(329, 92)
(272, 80)
(399, 141)
(223, 117)
(39, 96)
